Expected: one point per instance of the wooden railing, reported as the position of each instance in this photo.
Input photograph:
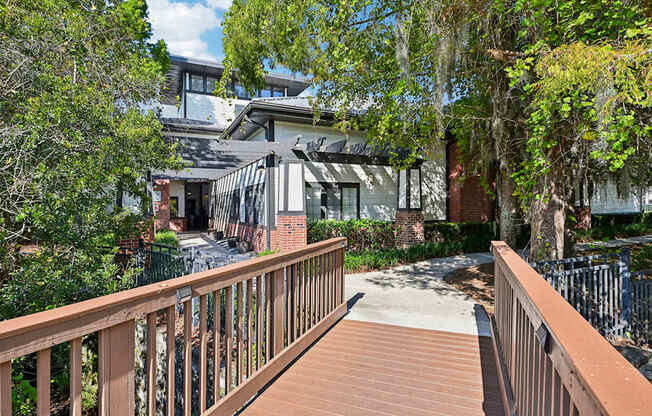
(267, 311)
(551, 360)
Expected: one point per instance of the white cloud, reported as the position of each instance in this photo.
(220, 4)
(180, 25)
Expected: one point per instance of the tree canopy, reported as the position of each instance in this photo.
(75, 77)
(530, 88)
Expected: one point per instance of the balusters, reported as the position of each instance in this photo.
(259, 321)
(187, 361)
(217, 330)
(203, 351)
(43, 382)
(75, 377)
(171, 347)
(5, 388)
(238, 328)
(229, 339)
(250, 321)
(278, 306)
(151, 363)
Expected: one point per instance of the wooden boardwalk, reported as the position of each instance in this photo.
(361, 368)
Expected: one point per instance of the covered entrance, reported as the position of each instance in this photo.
(196, 195)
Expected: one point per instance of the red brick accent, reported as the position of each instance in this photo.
(468, 199)
(162, 207)
(179, 224)
(145, 232)
(292, 231)
(409, 228)
(583, 216)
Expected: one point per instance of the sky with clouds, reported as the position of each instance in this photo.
(191, 28)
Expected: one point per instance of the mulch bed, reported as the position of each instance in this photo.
(477, 282)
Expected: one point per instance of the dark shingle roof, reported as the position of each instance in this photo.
(213, 158)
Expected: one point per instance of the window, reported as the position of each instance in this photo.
(196, 83)
(279, 92)
(339, 201)
(266, 92)
(211, 83)
(174, 206)
(240, 90)
(349, 202)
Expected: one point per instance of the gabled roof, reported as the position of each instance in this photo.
(291, 109)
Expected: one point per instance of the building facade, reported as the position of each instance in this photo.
(259, 167)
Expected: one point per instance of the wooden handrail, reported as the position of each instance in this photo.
(290, 298)
(555, 359)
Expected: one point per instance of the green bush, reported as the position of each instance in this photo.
(167, 237)
(607, 227)
(471, 236)
(384, 258)
(361, 234)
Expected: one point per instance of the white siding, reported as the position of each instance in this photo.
(377, 185)
(210, 108)
(605, 200)
(433, 177)
(289, 132)
(178, 189)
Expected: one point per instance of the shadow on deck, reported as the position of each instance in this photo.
(361, 368)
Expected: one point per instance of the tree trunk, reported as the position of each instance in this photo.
(548, 217)
(509, 215)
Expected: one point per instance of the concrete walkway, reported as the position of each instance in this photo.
(416, 296)
(617, 243)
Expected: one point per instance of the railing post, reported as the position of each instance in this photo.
(277, 311)
(116, 370)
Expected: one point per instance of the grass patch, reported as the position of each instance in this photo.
(266, 253)
(369, 260)
(167, 238)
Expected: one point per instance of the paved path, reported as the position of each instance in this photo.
(620, 242)
(416, 296)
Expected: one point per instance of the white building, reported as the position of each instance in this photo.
(261, 168)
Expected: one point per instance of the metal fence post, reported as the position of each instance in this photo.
(623, 269)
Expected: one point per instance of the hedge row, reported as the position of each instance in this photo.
(365, 235)
(361, 234)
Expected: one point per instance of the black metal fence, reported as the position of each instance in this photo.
(602, 289)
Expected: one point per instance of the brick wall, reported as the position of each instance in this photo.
(292, 231)
(256, 235)
(179, 224)
(409, 228)
(467, 199)
(162, 207)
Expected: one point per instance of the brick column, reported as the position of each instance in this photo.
(162, 207)
(409, 228)
(292, 232)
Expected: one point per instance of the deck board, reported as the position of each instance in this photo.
(361, 368)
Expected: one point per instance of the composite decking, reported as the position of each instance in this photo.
(362, 368)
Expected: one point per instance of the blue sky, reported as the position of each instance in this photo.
(190, 28)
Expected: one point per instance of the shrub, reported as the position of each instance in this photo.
(167, 237)
(384, 258)
(471, 236)
(361, 234)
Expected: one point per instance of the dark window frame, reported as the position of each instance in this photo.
(339, 186)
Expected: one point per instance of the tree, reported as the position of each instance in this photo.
(472, 67)
(404, 62)
(75, 75)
